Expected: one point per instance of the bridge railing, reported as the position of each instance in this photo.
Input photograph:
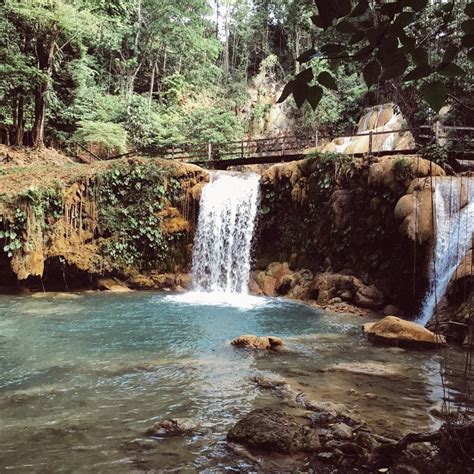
(283, 145)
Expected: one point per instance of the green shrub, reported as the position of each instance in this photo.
(111, 136)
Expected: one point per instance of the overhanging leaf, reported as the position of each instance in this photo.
(333, 48)
(396, 68)
(360, 8)
(467, 41)
(304, 76)
(468, 26)
(420, 56)
(469, 10)
(371, 73)
(435, 94)
(390, 9)
(316, 19)
(403, 19)
(357, 37)
(327, 80)
(470, 55)
(300, 92)
(287, 90)
(307, 55)
(417, 5)
(315, 94)
(450, 70)
(419, 73)
(450, 53)
(346, 27)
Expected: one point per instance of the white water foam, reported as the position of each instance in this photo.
(454, 217)
(222, 245)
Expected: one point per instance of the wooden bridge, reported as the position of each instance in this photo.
(290, 147)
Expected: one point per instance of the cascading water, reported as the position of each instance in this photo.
(222, 246)
(454, 216)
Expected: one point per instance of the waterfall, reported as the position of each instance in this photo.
(454, 219)
(226, 224)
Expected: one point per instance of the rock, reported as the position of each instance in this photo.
(249, 341)
(266, 282)
(327, 286)
(391, 310)
(342, 431)
(376, 369)
(368, 297)
(112, 284)
(273, 430)
(396, 331)
(185, 280)
(172, 427)
(254, 288)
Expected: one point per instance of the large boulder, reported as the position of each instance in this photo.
(271, 430)
(249, 341)
(396, 331)
(328, 286)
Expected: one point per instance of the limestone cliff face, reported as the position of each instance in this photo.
(130, 218)
(362, 228)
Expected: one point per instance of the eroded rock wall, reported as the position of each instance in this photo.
(132, 218)
(362, 228)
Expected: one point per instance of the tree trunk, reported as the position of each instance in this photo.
(20, 121)
(152, 82)
(45, 53)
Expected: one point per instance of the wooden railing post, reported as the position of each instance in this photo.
(209, 151)
(316, 139)
(242, 149)
(370, 142)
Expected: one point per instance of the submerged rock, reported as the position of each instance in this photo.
(393, 330)
(172, 427)
(273, 430)
(249, 341)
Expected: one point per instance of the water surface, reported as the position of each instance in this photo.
(83, 376)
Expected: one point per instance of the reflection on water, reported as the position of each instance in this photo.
(82, 379)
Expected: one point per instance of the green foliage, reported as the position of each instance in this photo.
(436, 153)
(13, 232)
(111, 136)
(403, 169)
(213, 125)
(130, 199)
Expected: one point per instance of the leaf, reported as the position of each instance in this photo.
(470, 55)
(450, 53)
(333, 48)
(287, 90)
(469, 10)
(419, 73)
(307, 55)
(417, 5)
(328, 11)
(360, 8)
(300, 93)
(346, 27)
(315, 94)
(316, 19)
(357, 37)
(404, 19)
(468, 26)
(390, 9)
(435, 94)
(420, 56)
(371, 73)
(406, 40)
(305, 76)
(327, 80)
(450, 70)
(396, 68)
(467, 41)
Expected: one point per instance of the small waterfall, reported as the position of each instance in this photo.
(454, 217)
(226, 224)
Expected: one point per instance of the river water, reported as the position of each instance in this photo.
(84, 375)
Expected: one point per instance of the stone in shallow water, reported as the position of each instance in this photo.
(393, 330)
(272, 430)
(173, 427)
(250, 341)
